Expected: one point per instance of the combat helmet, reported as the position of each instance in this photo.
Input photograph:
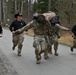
(41, 19)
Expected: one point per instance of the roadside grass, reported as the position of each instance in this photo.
(66, 39)
(30, 32)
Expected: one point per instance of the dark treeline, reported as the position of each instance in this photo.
(66, 9)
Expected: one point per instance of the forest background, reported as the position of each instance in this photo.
(66, 9)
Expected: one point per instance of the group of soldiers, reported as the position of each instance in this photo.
(46, 29)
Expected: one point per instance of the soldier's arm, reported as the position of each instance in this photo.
(25, 28)
(62, 28)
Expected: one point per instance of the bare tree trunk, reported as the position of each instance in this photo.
(26, 10)
(16, 6)
(4, 12)
(0, 10)
(22, 7)
(30, 10)
(58, 7)
(71, 7)
(49, 5)
(19, 5)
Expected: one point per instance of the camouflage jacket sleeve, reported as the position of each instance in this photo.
(61, 27)
(28, 26)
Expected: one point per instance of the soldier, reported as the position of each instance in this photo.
(74, 38)
(1, 31)
(53, 31)
(54, 37)
(17, 37)
(54, 19)
(39, 26)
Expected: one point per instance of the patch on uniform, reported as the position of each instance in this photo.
(22, 24)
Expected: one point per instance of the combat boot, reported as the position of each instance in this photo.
(19, 53)
(71, 49)
(46, 57)
(56, 54)
(38, 59)
(13, 48)
(38, 62)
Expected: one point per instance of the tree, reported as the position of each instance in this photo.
(49, 5)
(30, 10)
(54, 5)
(45, 5)
(40, 6)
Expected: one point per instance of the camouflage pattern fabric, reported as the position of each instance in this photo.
(74, 42)
(40, 46)
(54, 37)
(18, 40)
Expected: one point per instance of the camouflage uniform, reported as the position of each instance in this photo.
(40, 44)
(54, 38)
(53, 31)
(74, 43)
(74, 37)
(18, 40)
(53, 19)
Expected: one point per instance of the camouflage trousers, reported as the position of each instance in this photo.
(74, 42)
(52, 40)
(40, 46)
(18, 40)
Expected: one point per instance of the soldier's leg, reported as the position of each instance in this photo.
(20, 45)
(56, 48)
(37, 51)
(46, 54)
(50, 49)
(74, 44)
(38, 56)
(19, 49)
(50, 45)
(44, 48)
(14, 45)
(15, 41)
(72, 47)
